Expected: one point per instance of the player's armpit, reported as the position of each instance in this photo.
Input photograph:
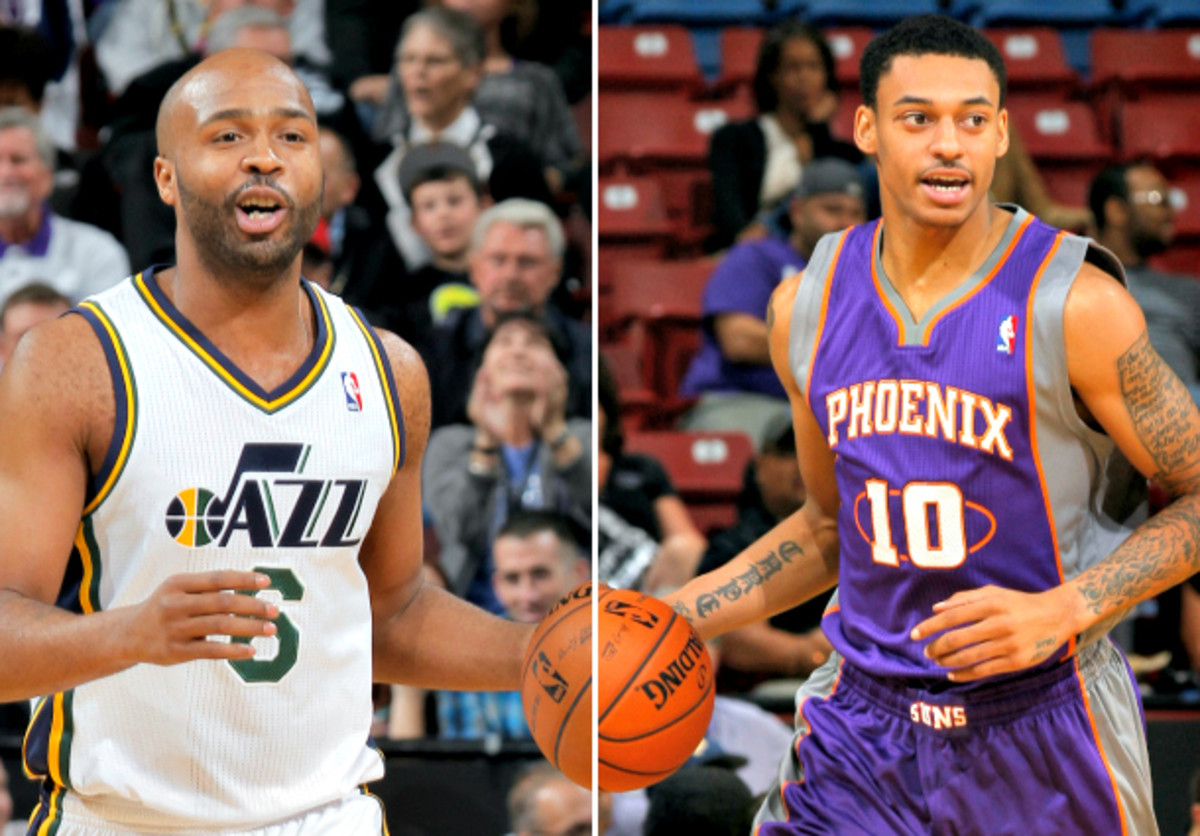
(1151, 417)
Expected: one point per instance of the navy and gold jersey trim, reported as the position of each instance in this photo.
(46, 751)
(384, 369)
(125, 396)
(237, 380)
(80, 591)
(47, 815)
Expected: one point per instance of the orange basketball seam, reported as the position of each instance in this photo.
(703, 699)
(587, 686)
(646, 658)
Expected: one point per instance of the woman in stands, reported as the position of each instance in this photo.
(757, 163)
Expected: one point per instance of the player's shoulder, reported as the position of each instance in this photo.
(412, 383)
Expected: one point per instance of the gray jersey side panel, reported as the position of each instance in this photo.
(806, 315)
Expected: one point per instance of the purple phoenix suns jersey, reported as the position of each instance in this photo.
(960, 458)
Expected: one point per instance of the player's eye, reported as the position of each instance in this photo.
(915, 119)
(226, 136)
(976, 120)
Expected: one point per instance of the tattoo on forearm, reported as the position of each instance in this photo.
(757, 575)
(1161, 410)
(683, 610)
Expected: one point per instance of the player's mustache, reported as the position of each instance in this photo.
(259, 180)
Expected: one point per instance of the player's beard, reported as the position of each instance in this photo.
(225, 252)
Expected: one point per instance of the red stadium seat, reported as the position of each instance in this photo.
(847, 44)
(632, 215)
(707, 468)
(624, 361)
(1058, 130)
(660, 303)
(1164, 128)
(647, 57)
(1181, 258)
(1133, 58)
(688, 197)
(739, 54)
(661, 129)
(1068, 184)
(1034, 57)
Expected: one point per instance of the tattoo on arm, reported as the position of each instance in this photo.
(757, 575)
(683, 610)
(1044, 648)
(1160, 408)
(1168, 545)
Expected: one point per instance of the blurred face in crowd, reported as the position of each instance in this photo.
(444, 214)
(533, 572)
(562, 808)
(25, 179)
(488, 13)
(437, 85)
(1151, 217)
(779, 482)
(218, 7)
(513, 269)
(19, 318)
(519, 359)
(341, 180)
(821, 214)
(239, 159)
(800, 79)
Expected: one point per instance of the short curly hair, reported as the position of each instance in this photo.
(926, 35)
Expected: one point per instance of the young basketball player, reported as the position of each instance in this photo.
(965, 383)
(214, 469)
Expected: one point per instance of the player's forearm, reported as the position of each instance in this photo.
(790, 564)
(45, 649)
(440, 641)
(1162, 552)
(761, 648)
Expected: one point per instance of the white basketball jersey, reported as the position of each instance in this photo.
(207, 471)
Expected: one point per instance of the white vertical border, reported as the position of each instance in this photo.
(595, 290)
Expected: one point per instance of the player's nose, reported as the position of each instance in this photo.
(946, 143)
(261, 157)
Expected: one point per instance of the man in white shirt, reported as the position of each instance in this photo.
(77, 259)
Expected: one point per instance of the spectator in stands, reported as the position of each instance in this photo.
(647, 538)
(441, 186)
(439, 62)
(516, 260)
(732, 372)
(139, 35)
(700, 801)
(77, 259)
(362, 37)
(365, 266)
(25, 307)
(544, 802)
(536, 561)
(757, 163)
(522, 98)
(791, 643)
(1135, 220)
(519, 451)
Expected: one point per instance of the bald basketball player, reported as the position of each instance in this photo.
(210, 510)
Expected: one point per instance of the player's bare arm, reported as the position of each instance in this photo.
(57, 409)
(795, 560)
(424, 635)
(1145, 409)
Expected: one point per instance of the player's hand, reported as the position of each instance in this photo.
(174, 623)
(989, 631)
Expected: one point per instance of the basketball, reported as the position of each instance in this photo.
(556, 685)
(656, 690)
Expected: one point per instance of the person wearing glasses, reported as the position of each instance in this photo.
(1135, 220)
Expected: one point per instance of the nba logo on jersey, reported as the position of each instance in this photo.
(1008, 334)
(353, 394)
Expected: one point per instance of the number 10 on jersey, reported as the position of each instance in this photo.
(934, 524)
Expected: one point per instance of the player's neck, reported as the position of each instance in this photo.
(267, 328)
(924, 262)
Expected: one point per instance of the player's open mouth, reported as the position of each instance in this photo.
(945, 188)
(258, 214)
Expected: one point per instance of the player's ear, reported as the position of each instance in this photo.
(864, 129)
(164, 179)
(1002, 127)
